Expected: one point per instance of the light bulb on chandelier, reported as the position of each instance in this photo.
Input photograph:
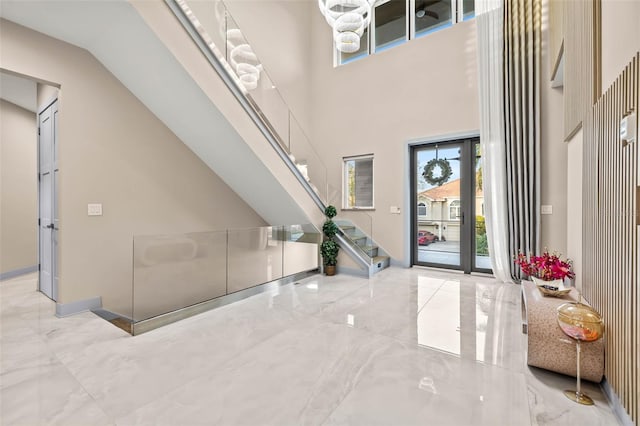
(348, 18)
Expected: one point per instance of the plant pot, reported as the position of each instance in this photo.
(330, 270)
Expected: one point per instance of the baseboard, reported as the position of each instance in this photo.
(18, 272)
(615, 404)
(66, 309)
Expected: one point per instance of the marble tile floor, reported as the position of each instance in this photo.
(408, 346)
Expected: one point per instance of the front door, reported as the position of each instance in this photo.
(448, 206)
(47, 200)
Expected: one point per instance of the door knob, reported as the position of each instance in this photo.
(49, 226)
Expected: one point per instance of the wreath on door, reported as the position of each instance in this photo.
(445, 172)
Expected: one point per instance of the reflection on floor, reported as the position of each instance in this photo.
(408, 346)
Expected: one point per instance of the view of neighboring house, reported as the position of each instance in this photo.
(439, 210)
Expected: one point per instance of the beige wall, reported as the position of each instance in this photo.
(553, 152)
(424, 88)
(620, 37)
(18, 188)
(115, 152)
(574, 205)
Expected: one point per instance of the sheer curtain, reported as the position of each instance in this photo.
(490, 27)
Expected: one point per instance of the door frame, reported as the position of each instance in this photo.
(467, 255)
(54, 202)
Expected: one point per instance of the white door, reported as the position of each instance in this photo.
(48, 200)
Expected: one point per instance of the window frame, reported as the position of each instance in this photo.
(457, 16)
(372, 27)
(424, 205)
(455, 5)
(344, 182)
(458, 208)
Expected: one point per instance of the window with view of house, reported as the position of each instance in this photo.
(358, 182)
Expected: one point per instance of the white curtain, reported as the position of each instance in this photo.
(490, 26)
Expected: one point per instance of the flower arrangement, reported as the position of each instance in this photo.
(547, 267)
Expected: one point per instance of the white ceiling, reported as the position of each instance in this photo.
(19, 91)
(114, 32)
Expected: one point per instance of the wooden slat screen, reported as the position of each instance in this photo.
(581, 27)
(611, 233)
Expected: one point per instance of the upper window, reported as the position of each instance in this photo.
(390, 24)
(422, 209)
(454, 210)
(430, 16)
(358, 182)
(468, 9)
(395, 21)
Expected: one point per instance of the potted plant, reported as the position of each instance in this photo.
(329, 248)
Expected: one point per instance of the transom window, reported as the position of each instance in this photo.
(394, 22)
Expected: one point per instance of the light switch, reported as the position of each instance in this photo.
(546, 209)
(394, 210)
(94, 209)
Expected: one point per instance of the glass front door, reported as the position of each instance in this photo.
(448, 217)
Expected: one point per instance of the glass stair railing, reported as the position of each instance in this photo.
(360, 238)
(179, 275)
(217, 34)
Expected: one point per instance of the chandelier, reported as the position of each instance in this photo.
(348, 18)
(243, 60)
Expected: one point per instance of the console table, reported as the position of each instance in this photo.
(547, 346)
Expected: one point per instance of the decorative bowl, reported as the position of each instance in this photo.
(553, 288)
(580, 322)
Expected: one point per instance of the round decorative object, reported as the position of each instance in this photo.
(580, 322)
(583, 324)
(347, 42)
(445, 171)
(348, 18)
(243, 59)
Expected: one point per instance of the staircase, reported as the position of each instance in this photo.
(377, 259)
(308, 169)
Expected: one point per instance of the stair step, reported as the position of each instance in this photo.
(380, 259)
(372, 251)
(380, 262)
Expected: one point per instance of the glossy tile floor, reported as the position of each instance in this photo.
(409, 346)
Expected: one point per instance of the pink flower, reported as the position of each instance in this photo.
(546, 267)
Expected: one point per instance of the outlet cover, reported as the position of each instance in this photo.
(94, 209)
(546, 209)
